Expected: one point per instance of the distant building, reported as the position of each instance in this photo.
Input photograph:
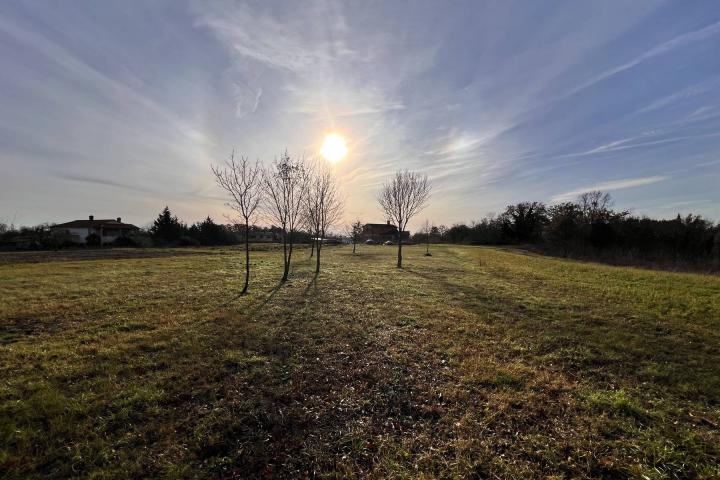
(107, 230)
(382, 232)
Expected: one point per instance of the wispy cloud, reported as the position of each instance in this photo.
(684, 204)
(287, 44)
(683, 94)
(677, 42)
(631, 143)
(101, 181)
(247, 99)
(609, 186)
(138, 104)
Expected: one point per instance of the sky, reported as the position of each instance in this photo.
(118, 108)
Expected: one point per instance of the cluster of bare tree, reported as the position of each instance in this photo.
(293, 193)
(296, 193)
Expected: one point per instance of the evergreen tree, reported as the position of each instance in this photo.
(210, 233)
(167, 228)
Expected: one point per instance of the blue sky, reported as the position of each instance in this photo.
(118, 108)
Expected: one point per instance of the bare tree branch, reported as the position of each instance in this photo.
(401, 198)
(323, 205)
(285, 185)
(242, 182)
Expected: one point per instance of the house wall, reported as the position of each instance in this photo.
(379, 233)
(109, 238)
(79, 234)
(382, 234)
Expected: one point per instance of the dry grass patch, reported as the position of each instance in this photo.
(472, 363)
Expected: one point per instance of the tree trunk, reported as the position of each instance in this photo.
(354, 246)
(286, 265)
(247, 258)
(317, 260)
(289, 258)
(312, 247)
(399, 262)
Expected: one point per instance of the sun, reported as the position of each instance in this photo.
(334, 148)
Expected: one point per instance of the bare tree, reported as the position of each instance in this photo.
(427, 230)
(595, 205)
(308, 217)
(323, 205)
(354, 231)
(285, 185)
(442, 232)
(242, 182)
(402, 197)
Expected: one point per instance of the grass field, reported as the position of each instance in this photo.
(473, 363)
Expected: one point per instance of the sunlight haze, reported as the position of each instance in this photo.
(119, 108)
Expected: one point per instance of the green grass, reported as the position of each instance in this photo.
(472, 363)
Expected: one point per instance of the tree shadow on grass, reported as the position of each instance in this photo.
(231, 300)
(312, 285)
(271, 294)
(588, 346)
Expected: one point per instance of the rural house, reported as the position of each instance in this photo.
(382, 232)
(107, 230)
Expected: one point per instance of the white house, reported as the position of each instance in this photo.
(107, 230)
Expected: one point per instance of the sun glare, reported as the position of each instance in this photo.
(333, 148)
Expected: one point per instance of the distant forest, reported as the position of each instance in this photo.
(588, 228)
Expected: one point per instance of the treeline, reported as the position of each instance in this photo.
(590, 227)
(166, 231)
(38, 237)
